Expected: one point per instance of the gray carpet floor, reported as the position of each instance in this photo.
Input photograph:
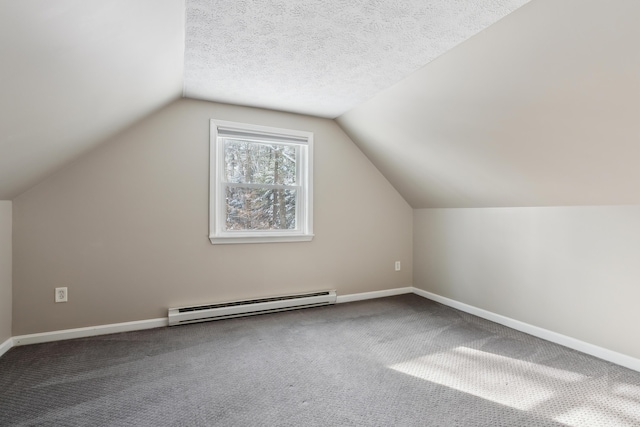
(398, 361)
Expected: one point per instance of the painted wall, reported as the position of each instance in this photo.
(125, 228)
(5, 270)
(571, 270)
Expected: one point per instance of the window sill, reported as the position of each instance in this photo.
(230, 240)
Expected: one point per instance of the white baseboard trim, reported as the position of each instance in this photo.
(90, 331)
(67, 334)
(375, 294)
(6, 346)
(545, 334)
(575, 344)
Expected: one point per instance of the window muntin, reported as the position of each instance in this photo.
(260, 184)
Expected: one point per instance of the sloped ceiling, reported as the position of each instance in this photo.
(73, 72)
(539, 109)
(320, 57)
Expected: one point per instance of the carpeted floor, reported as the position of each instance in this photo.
(398, 361)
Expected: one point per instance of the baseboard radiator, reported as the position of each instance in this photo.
(204, 313)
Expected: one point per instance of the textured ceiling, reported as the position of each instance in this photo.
(320, 57)
(74, 72)
(541, 109)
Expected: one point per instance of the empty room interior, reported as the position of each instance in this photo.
(312, 213)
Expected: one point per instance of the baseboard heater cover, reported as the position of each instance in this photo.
(226, 310)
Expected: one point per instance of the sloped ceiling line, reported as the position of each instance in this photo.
(74, 73)
(320, 57)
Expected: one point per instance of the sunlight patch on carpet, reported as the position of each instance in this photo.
(564, 396)
(522, 386)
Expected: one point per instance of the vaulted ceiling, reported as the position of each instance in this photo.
(320, 57)
(540, 109)
(462, 103)
(75, 72)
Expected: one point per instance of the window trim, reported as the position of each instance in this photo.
(217, 205)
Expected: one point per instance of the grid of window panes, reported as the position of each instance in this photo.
(261, 185)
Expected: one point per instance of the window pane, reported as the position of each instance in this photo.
(260, 209)
(248, 162)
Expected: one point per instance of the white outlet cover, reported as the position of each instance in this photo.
(61, 295)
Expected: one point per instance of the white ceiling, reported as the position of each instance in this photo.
(74, 72)
(540, 109)
(320, 57)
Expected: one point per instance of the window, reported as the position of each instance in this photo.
(260, 184)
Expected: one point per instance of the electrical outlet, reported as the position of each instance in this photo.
(397, 265)
(61, 295)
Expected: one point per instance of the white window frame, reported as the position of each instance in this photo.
(217, 186)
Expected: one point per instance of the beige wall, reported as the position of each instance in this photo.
(5, 270)
(125, 228)
(571, 270)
